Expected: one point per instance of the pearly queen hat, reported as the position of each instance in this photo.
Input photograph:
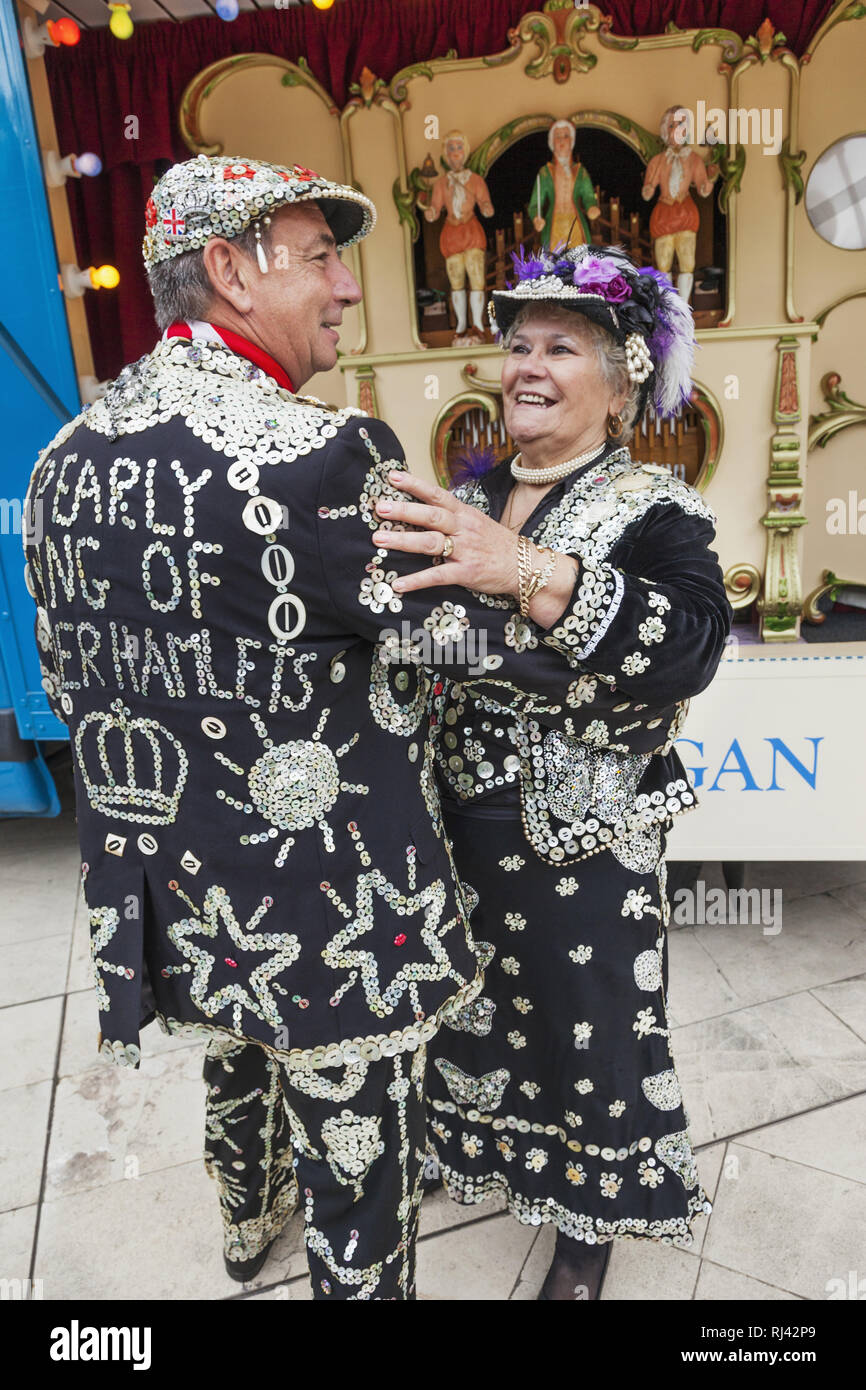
(639, 307)
(219, 196)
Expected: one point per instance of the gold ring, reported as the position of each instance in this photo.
(447, 547)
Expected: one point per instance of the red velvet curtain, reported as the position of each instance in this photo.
(101, 81)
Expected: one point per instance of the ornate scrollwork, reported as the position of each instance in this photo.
(369, 90)
(842, 411)
(732, 168)
(202, 85)
(791, 166)
(557, 35)
(444, 425)
(406, 200)
(742, 584)
(830, 584)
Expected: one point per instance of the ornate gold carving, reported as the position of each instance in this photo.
(713, 423)
(366, 382)
(830, 584)
(791, 166)
(841, 413)
(781, 602)
(788, 407)
(821, 318)
(369, 90)
(557, 34)
(444, 424)
(838, 15)
(743, 584)
(294, 75)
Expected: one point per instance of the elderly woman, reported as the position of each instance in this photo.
(557, 1087)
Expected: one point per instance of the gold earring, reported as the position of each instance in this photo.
(615, 426)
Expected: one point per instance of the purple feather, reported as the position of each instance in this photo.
(661, 278)
(526, 267)
(469, 467)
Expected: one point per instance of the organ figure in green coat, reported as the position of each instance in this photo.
(563, 198)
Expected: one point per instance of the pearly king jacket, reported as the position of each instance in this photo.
(258, 818)
(646, 632)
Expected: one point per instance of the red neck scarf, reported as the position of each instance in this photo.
(242, 346)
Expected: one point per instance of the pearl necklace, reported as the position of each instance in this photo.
(542, 476)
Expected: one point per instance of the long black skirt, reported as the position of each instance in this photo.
(557, 1086)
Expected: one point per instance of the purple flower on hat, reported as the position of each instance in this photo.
(602, 276)
(617, 290)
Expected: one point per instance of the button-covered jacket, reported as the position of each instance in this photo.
(257, 812)
(645, 632)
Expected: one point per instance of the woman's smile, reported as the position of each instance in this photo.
(534, 398)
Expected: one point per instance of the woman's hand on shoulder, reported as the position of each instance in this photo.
(480, 553)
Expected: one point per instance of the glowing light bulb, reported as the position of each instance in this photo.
(120, 23)
(105, 277)
(323, 4)
(89, 164)
(227, 9)
(64, 31)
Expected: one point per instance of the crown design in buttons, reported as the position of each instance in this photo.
(143, 765)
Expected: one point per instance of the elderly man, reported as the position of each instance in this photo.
(263, 858)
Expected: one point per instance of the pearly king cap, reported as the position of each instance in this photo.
(638, 306)
(220, 196)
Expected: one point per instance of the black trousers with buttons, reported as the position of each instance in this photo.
(346, 1144)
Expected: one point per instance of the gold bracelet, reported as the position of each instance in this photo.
(524, 574)
(531, 581)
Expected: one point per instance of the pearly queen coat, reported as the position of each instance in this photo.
(645, 632)
(262, 849)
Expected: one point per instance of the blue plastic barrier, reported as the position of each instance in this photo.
(38, 389)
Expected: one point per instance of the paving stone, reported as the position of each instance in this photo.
(27, 973)
(764, 1063)
(788, 1225)
(112, 1124)
(475, 1263)
(725, 1285)
(832, 1139)
(23, 1125)
(28, 1041)
(847, 1000)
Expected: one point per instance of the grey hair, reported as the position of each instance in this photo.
(609, 354)
(181, 286)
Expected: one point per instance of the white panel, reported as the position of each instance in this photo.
(808, 697)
